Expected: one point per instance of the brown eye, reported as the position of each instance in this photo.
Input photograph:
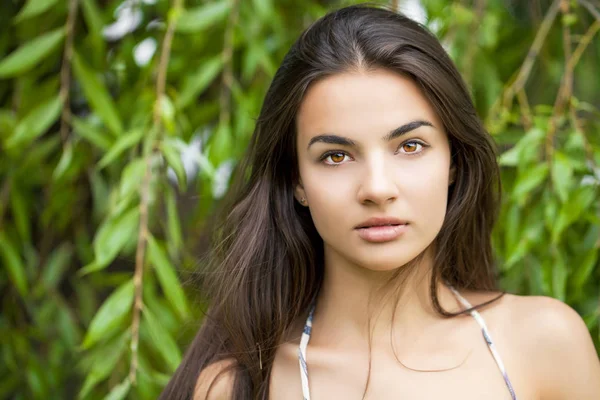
(411, 147)
(337, 157)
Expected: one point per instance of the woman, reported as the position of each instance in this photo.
(355, 260)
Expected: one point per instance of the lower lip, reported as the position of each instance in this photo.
(379, 234)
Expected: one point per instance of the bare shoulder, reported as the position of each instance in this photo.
(216, 381)
(552, 339)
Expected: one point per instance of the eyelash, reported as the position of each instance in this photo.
(334, 152)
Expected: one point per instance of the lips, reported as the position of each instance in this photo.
(380, 221)
(383, 229)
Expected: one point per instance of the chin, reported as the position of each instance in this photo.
(385, 262)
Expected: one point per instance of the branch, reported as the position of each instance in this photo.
(590, 7)
(525, 110)
(65, 72)
(474, 30)
(566, 86)
(538, 42)
(161, 81)
(227, 80)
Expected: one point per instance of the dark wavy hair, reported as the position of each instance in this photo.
(266, 265)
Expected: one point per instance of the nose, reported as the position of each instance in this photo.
(377, 184)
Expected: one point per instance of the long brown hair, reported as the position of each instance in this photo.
(267, 261)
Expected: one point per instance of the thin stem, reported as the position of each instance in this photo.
(472, 47)
(227, 55)
(534, 50)
(590, 7)
(525, 109)
(566, 87)
(65, 72)
(161, 80)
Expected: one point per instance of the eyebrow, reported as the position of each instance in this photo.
(344, 141)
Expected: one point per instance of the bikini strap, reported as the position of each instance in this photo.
(302, 352)
(488, 339)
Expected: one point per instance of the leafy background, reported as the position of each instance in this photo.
(120, 123)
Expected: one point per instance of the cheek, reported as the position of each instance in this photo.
(329, 192)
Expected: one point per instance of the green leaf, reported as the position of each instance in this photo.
(97, 95)
(195, 84)
(197, 19)
(125, 142)
(31, 53)
(585, 268)
(104, 363)
(559, 277)
(221, 144)
(167, 278)
(13, 264)
(132, 177)
(113, 235)
(92, 16)
(110, 314)
(167, 113)
(57, 264)
(35, 123)
(165, 344)
(65, 161)
(173, 224)
(562, 175)
(120, 391)
(87, 131)
(21, 213)
(33, 8)
(171, 154)
(528, 181)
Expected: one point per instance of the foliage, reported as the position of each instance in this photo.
(120, 122)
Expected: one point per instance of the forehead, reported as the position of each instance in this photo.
(362, 103)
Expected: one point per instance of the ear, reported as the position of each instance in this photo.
(300, 194)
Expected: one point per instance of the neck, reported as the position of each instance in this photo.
(357, 304)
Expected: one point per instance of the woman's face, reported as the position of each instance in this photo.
(372, 152)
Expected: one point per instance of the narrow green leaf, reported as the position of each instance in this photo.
(132, 176)
(31, 53)
(167, 277)
(90, 133)
(559, 278)
(196, 19)
(33, 8)
(65, 161)
(120, 391)
(195, 84)
(13, 264)
(125, 142)
(562, 175)
(171, 154)
(21, 213)
(165, 344)
(585, 268)
(173, 224)
(92, 15)
(110, 314)
(104, 364)
(113, 234)
(57, 264)
(97, 95)
(36, 122)
(528, 181)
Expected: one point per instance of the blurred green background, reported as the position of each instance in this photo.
(120, 123)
